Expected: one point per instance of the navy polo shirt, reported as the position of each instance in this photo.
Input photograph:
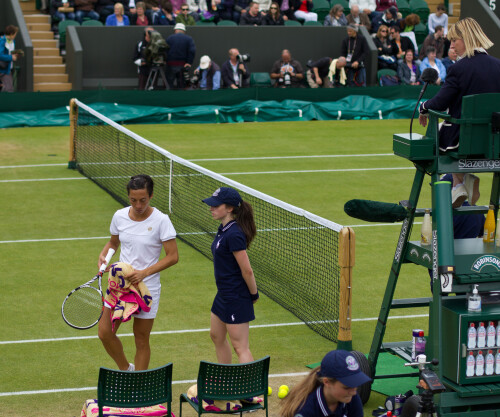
(316, 406)
(230, 238)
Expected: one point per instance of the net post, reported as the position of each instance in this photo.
(73, 122)
(347, 243)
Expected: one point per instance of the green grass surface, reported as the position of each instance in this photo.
(39, 274)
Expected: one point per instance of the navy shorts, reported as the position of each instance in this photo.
(234, 309)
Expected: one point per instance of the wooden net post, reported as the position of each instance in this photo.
(73, 121)
(346, 263)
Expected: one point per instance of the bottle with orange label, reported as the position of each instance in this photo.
(489, 226)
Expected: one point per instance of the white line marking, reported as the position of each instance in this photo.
(230, 159)
(46, 179)
(165, 332)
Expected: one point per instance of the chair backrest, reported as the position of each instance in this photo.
(135, 389)
(260, 79)
(292, 23)
(312, 23)
(233, 382)
(476, 130)
(92, 22)
(61, 27)
(227, 23)
(202, 23)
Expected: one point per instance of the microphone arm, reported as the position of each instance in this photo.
(416, 105)
(429, 76)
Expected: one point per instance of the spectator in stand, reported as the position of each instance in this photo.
(118, 18)
(140, 18)
(176, 6)
(184, 16)
(273, 16)
(164, 16)
(388, 18)
(354, 48)
(287, 8)
(358, 18)
(327, 73)
(63, 9)
(450, 59)
(85, 9)
(105, 8)
(387, 49)
(383, 5)
(226, 11)
(430, 61)
(253, 17)
(208, 74)
(409, 22)
(154, 6)
(234, 71)
(180, 56)
(263, 5)
(436, 40)
(408, 70)
(287, 72)
(402, 42)
(7, 46)
(336, 17)
(239, 8)
(367, 7)
(143, 67)
(303, 10)
(440, 18)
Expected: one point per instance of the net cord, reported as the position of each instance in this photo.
(285, 206)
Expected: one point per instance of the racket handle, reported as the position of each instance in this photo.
(110, 254)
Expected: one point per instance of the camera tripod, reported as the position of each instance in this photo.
(153, 77)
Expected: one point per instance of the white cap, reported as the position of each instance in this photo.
(204, 62)
(180, 26)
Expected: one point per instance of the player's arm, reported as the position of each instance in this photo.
(171, 258)
(241, 257)
(113, 243)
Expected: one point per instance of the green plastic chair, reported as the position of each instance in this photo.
(421, 32)
(343, 3)
(421, 8)
(260, 79)
(322, 8)
(385, 71)
(404, 7)
(201, 23)
(62, 27)
(312, 23)
(135, 389)
(227, 23)
(92, 22)
(292, 23)
(231, 383)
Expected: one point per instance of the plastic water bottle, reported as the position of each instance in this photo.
(414, 342)
(471, 364)
(490, 363)
(489, 226)
(426, 231)
(479, 363)
(471, 336)
(474, 302)
(420, 344)
(481, 336)
(498, 334)
(497, 362)
(490, 335)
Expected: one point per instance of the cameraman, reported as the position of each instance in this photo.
(207, 75)
(287, 71)
(143, 68)
(180, 56)
(235, 73)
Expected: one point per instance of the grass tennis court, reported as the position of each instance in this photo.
(54, 223)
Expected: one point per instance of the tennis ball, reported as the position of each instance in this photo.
(269, 390)
(284, 388)
(282, 393)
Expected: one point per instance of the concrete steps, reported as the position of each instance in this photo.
(49, 70)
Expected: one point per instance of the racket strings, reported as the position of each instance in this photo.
(83, 308)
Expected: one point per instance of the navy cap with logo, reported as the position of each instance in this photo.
(343, 366)
(224, 195)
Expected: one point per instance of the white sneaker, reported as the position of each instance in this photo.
(458, 195)
(131, 367)
(471, 183)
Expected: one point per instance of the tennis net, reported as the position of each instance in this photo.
(295, 255)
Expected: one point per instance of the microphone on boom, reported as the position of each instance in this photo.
(429, 76)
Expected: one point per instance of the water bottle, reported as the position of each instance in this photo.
(481, 336)
(472, 336)
(498, 334)
(426, 231)
(489, 226)
(416, 335)
(490, 363)
(497, 362)
(480, 363)
(490, 335)
(471, 364)
(474, 302)
(420, 344)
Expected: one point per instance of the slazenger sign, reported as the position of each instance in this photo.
(478, 163)
(485, 260)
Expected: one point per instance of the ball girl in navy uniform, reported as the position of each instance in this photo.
(232, 309)
(328, 390)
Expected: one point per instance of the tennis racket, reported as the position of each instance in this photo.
(82, 308)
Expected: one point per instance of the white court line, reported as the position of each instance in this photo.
(165, 332)
(231, 159)
(186, 381)
(303, 171)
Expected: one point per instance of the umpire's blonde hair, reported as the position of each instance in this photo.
(471, 33)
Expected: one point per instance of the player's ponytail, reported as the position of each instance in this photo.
(244, 216)
(298, 394)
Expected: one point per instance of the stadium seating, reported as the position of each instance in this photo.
(202, 23)
(260, 79)
(135, 389)
(231, 383)
(386, 71)
(421, 32)
(92, 22)
(313, 23)
(292, 23)
(322, 8)
(61, 27)
(404, 7)
(226, 23)
(420, 8)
